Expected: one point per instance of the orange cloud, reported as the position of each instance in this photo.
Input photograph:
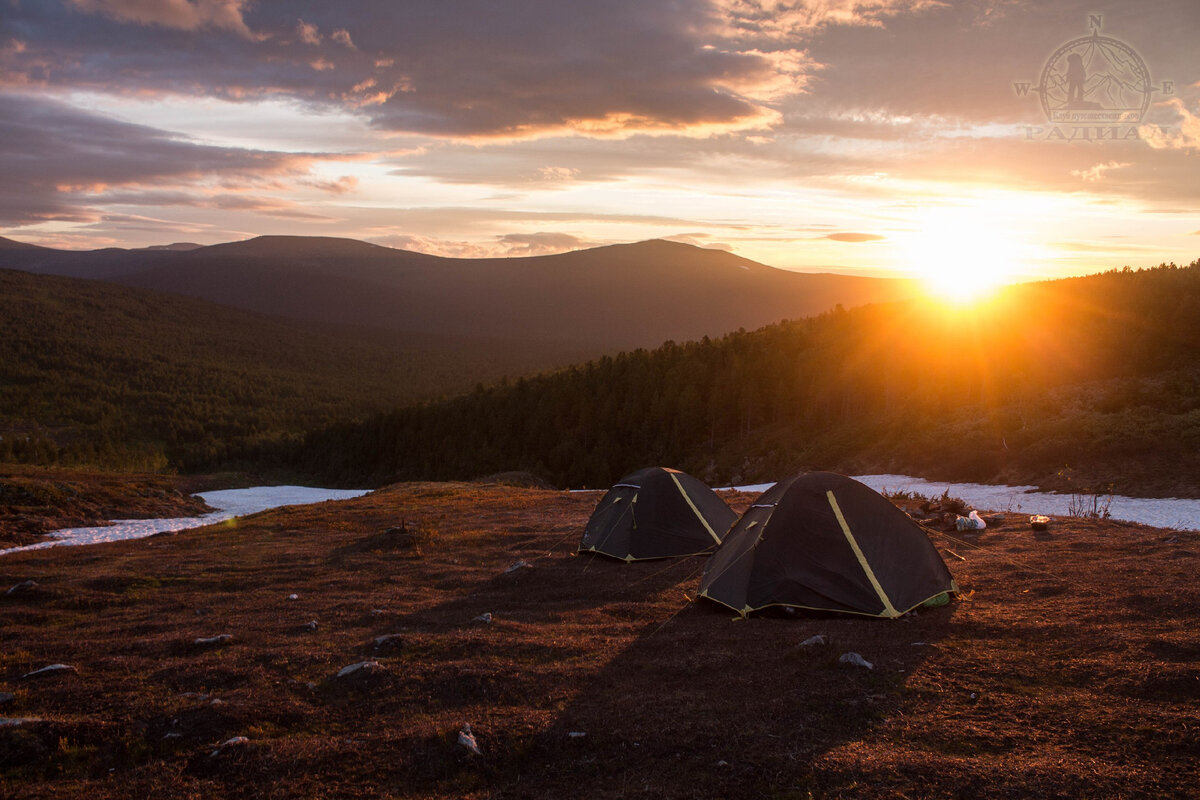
(180, 14)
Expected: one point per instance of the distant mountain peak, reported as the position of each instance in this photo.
(175, 246)
(302, 246)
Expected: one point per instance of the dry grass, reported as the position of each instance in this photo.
(1074, 670)
(35, 500)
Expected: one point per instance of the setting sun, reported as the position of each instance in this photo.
(962, 253)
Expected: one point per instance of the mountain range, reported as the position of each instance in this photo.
(590, 302)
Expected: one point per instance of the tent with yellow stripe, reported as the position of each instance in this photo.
(657, 513)
(826, 542)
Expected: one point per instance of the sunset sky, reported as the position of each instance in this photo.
(875, 138)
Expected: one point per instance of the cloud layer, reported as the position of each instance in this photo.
(539, 125)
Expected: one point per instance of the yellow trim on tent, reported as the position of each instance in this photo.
(695, 510)
(889, 609)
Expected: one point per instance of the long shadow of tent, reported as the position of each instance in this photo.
(719, 706)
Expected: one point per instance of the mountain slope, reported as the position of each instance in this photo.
(598, 300)
(1093, 378)
(92, 372)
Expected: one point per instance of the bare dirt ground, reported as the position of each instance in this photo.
(1073, 669)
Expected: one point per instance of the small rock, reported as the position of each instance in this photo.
(52, 669)
(16, 722)
(813, 640)
(722, 763)
(517, 566)
(377, 612)
(361, 668)
(856, 660)
(974, 696)
(236, 741)
(388, 640)
(213, 641)
(485, 618)
(919, 644)
(311, 625)
(467, 740)
(23, 587)
(576, 734)
(293, 596)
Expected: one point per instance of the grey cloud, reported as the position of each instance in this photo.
(539, 244)
(58, 162)
(471, 68)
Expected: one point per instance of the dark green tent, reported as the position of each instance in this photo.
(825, 542)
(657, 513)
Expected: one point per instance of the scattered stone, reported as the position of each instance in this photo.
(236, 741)
(6, 698)
(213, 641)
(856, 660)
(974, 696)
(722, 763)
(52, 669)
(361, 668)
(919, 644)
(24, 587)
(576, 734)
(994, 520)
(310, 625)
(518, 566)
(467, 740)
(194, 696)
(377, 612)
(813, 640)
(485, 618)
(388, 640)
(293, 596)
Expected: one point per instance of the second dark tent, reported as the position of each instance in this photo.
(657, 513)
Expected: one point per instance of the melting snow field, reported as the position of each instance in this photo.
(229, 502)
(1161, 513)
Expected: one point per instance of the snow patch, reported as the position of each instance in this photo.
(229, 503)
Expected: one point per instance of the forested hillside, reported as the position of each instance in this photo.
(1092, 380)
(98, 374)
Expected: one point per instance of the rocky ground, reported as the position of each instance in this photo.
(206, 664)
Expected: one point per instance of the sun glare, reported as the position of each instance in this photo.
(963, 253)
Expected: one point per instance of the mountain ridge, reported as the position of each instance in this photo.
(599, 299)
